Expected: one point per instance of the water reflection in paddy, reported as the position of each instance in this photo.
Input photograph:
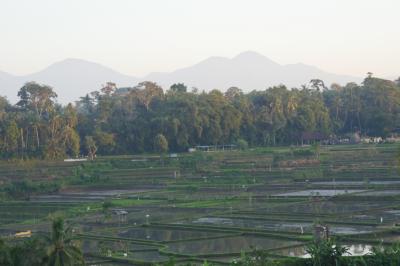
(148, 256)
(327, 207)
(118, 248)
(160, 234)
(259, 224)
(101, 246)
(319, 192)
(299, 227)
(228, 245)
(357, 183)
(380, 193)
(301, 251)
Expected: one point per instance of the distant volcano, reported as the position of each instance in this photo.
(73, 78)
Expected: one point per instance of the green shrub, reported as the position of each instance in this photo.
(242, 144)
(326, 253)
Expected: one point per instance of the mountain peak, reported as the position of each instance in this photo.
(74, 77)
(253, 57)
(5, 74)
(75, 62)
(249, 54)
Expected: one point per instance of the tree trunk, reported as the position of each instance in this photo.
(37, 137)
(27, 138)
(22, 141)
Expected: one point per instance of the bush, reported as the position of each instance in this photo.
(326, 253)
(242, 144)
(24, 189)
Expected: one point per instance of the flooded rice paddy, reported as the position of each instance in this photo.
(299, 227)
(155, 234)
(216, 205)
(301, 251)
(228, 245)
(356, 183)
(319, 192)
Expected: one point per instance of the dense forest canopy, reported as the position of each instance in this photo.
(145, 118)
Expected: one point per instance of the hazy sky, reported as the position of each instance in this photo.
(139, 36)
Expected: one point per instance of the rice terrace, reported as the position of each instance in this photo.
(213, 206)
(199, 133)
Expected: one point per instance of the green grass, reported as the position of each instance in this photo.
(132, 202)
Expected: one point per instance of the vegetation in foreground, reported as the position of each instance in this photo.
(57, 249)
(327, 253)
(60, 249)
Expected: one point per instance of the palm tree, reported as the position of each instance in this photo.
(61, 250)
(29, 253)
(5, 258)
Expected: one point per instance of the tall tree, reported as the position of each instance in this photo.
(5, 253)
(90, 147)
(61, 249)
(160, 144)
(178, 88)
(11, 138)
(37, 98)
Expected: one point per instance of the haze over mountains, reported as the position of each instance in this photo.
(73, 78)
(70, 78)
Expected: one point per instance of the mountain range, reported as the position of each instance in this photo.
(73, 78)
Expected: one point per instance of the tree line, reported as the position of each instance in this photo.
(145, 118)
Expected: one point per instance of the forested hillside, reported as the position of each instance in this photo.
(140, 119)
